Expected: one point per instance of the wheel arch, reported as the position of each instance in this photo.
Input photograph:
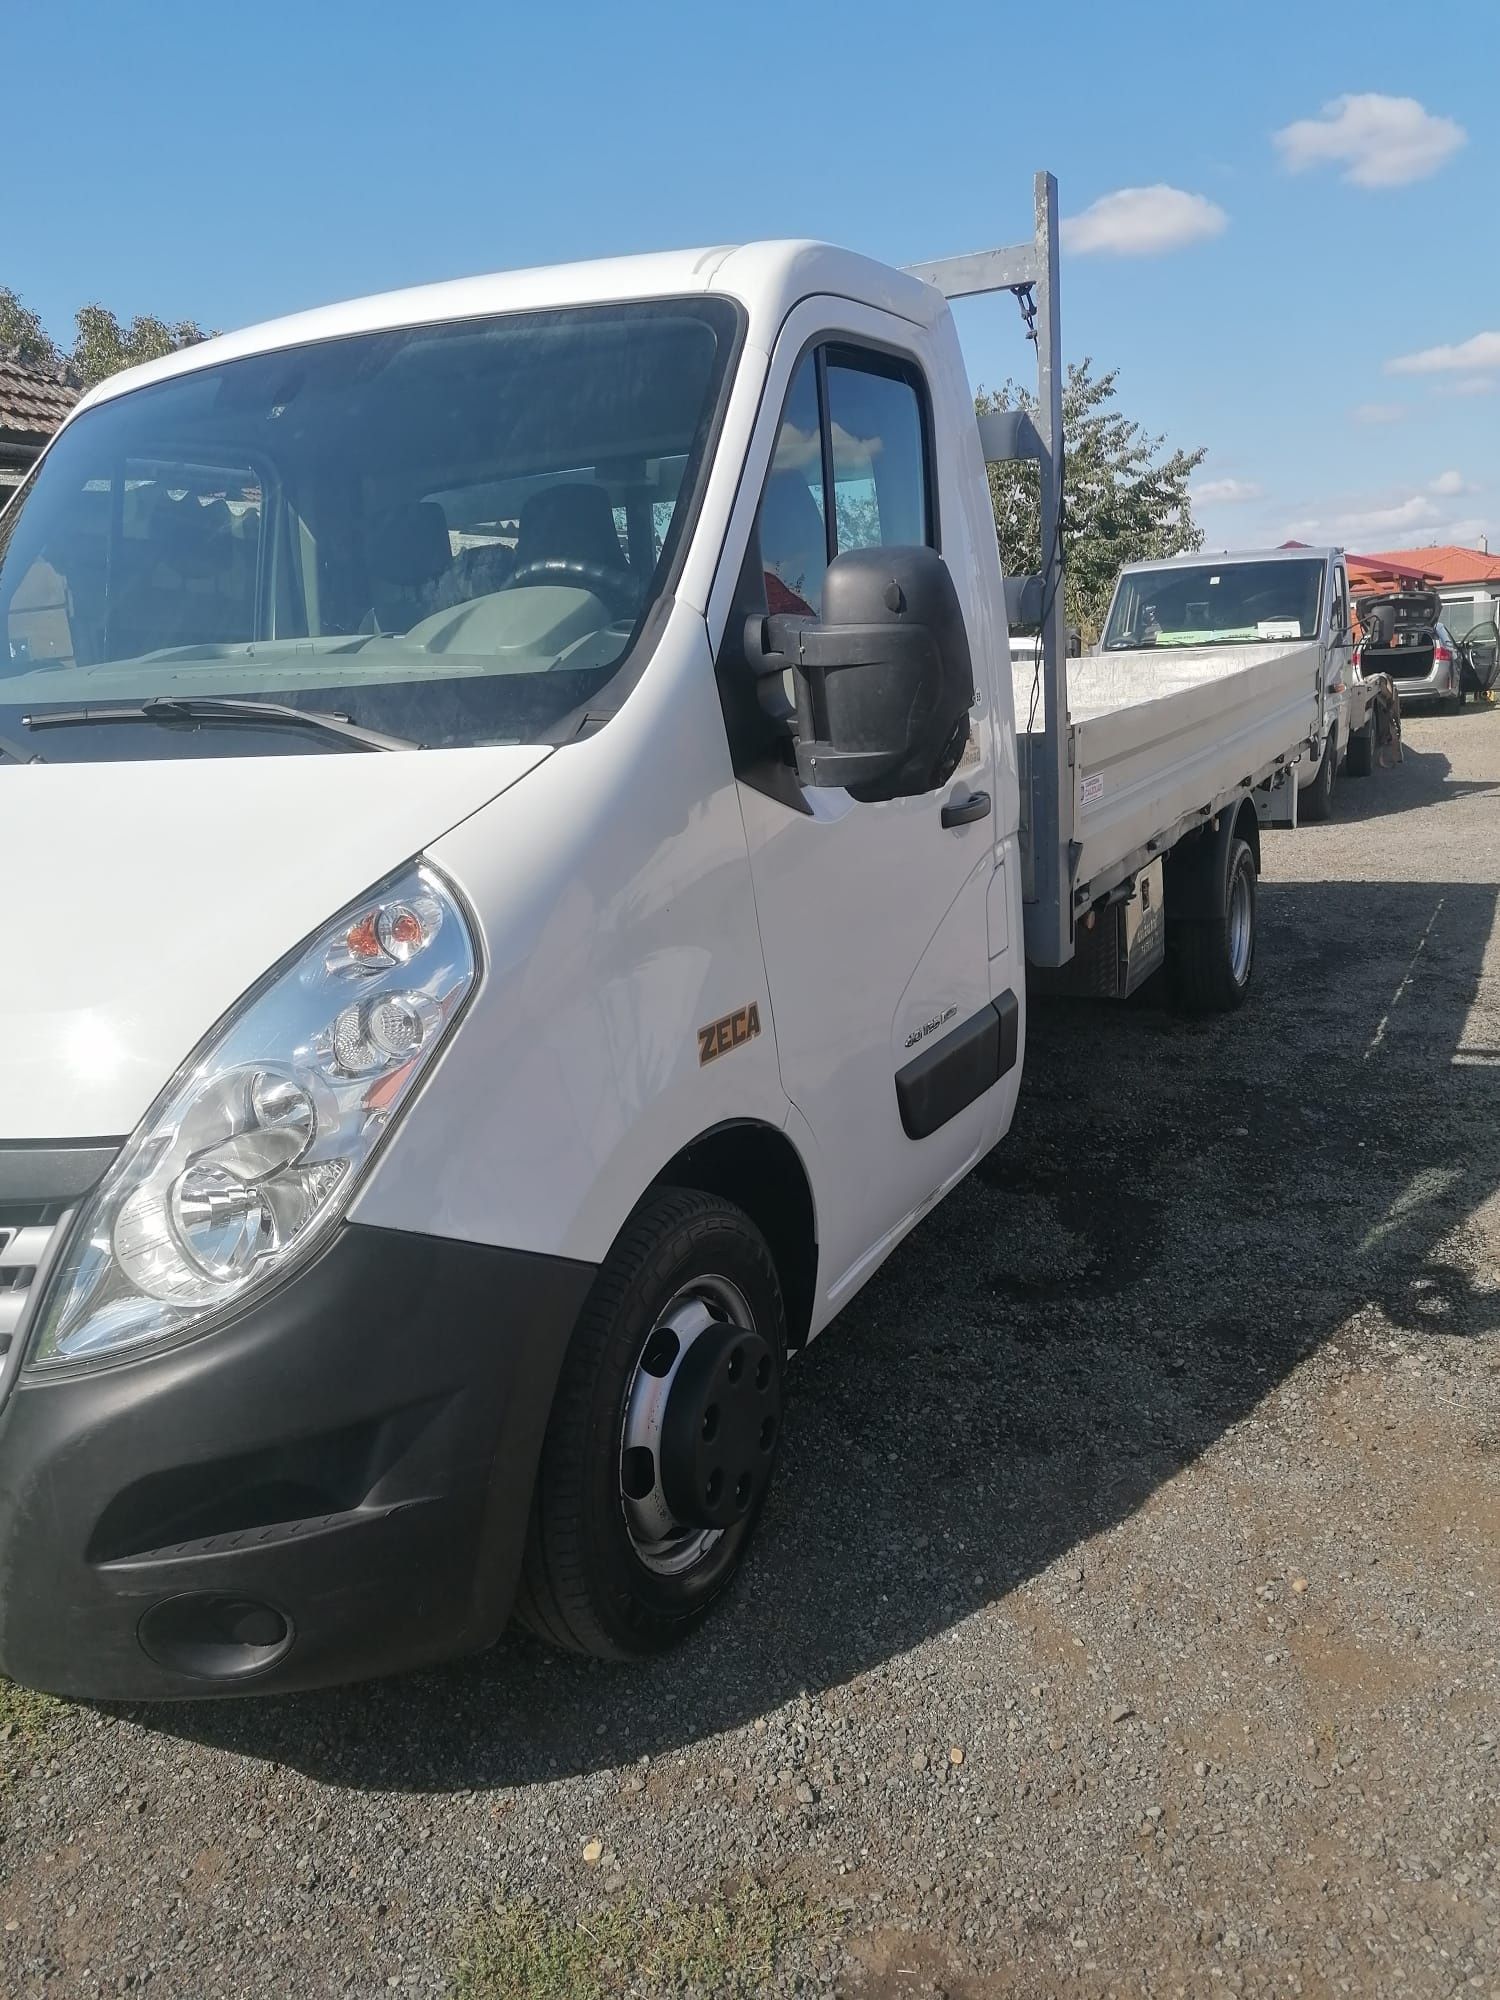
(757, 1167)
(1247, 828)
(1196, 866)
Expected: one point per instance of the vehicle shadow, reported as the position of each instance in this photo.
(1183, 1213)
(1422, 778)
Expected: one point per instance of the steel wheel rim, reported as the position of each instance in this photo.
(1240, 927)
(661, 1542)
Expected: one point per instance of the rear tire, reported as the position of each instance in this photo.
(1210, 959)
(1360, 761)
(1316, 803)
(687, 1266)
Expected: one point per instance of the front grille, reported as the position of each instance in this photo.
(26, 1230)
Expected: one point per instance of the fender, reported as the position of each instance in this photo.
(1197, 867)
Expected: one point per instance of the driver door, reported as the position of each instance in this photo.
(872, 915)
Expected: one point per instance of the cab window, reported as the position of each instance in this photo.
(850, 471)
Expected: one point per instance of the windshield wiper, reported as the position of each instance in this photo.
(205, 708)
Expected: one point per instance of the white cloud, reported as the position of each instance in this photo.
(1143, 222)
(1226, 492)
(1449, 483)
(1378, 413)
(1375, 527)
(1369, 524)
(1379, 141)
(1469, 356)
(1473, 385)
(1466, 533)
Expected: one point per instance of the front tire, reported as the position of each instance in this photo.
(663, 1435)
(1361, 759)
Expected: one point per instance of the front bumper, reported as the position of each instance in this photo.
(335, 1484)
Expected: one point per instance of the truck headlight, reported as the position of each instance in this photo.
(257, 1144)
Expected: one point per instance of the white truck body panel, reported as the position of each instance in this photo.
(141, 932)
(1161, 735)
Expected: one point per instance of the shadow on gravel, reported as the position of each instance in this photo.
(1182, 1214)
(1422, 778)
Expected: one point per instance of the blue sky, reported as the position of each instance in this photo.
(229, 163)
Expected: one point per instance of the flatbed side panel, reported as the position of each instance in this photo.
(1140, 771)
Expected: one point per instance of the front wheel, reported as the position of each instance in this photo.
(663, 1435)
(1361, 759)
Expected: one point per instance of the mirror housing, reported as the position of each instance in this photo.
(883, 680)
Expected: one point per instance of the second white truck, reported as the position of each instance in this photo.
(1235, 625)
(529, 864)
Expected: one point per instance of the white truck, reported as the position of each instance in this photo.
(524, 861)
(1272, 616)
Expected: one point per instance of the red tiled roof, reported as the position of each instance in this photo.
(32, 404)
(1382, 569)
(1445, 563)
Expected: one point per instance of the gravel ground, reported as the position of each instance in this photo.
(1125, 1619)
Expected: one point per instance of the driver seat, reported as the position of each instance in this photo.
(573, 523)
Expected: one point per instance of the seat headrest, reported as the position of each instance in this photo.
(573, 523)
(409, 544)
(191, 537)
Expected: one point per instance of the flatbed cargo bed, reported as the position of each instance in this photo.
(1161, 738)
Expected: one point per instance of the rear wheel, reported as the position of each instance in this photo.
(1211, 958)
(664, 1433)
(1316, 803)
(1360, 761)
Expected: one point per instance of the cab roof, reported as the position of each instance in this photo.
(767, 279)
(1196, 558)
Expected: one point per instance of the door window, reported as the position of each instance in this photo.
(849, 471)
(1340, 602)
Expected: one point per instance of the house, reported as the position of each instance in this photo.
(1378, 574)
(1467, 581)
(32, 405)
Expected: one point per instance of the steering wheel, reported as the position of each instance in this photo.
(616, 587)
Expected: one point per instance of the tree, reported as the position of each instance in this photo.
(101, 345)
(1123, 502)
(22, 334)
(104, 346)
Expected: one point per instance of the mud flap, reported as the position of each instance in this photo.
(1276, 800)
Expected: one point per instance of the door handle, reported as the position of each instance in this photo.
(962, 812)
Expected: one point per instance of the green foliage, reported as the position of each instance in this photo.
(25, 1718)
(103, 346)
(729, 1947)
(22, 333)
(1124, 502)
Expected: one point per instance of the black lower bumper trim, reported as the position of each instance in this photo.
(334, 1485)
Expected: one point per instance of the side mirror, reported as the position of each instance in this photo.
(883, 679)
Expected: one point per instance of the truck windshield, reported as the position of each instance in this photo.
(1216, 604)
(452, 534)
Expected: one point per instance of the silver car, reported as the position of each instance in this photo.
(1402, 634)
